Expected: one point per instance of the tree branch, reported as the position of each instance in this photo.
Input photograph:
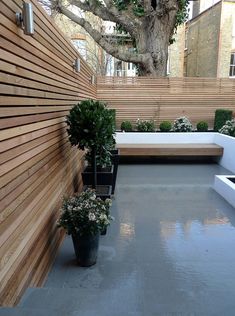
(92, 6)
(148, 9)
(97, 36)
(107, 13)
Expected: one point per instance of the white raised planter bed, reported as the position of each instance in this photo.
(222, 185)
(226, 188)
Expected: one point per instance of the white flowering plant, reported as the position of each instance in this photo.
(182, 124)
(228, 128)
(85, 214)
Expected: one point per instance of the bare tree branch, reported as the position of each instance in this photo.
(108, 13)
(97, 36)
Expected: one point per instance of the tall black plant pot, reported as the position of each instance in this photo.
(104, 175)
(115, 161)
(86, 249)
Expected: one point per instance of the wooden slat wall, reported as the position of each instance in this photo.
(38, 86)
(166, 98)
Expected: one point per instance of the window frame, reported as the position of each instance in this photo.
(232, 65)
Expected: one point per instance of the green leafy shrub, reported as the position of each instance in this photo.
(202, 126)
(221, 116)
(145, 126)
(228, 128)
(165, 126)
(91, 125)
(126, 126)
(182, 124)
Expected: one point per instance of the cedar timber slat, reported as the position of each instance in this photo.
(38, 87)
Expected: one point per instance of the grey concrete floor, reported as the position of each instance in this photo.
(170, 251)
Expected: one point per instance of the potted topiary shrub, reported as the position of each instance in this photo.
(165, 126)
(84, 216)
(107, 160)
(91, 127)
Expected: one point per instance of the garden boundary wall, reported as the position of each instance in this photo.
(38, 86)
(162, 99)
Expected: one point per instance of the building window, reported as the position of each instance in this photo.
(232, 66)
(81, 47)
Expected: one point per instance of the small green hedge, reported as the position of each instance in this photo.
(126, 126)
(145, 126)
(165, 126)
(221, 117)
(202, 126)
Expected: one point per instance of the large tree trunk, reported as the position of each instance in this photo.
(154, 41)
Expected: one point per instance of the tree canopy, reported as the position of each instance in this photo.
(150, 25)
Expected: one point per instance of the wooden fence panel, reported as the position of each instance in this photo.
(162, 99)
(38, 86)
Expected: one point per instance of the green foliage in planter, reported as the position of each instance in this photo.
(103, 156)
(228, 128)
(113, 113)
(126, 126)
(145, 126)
(85, 214)
(92, 126)
(165, 126)
(202, 126)
(221, 116)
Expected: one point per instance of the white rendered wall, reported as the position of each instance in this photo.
(228, 143)
(164, 138)
(226, 188)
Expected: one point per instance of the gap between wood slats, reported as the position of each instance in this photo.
(22, 214)
(18, 170)
(13, 163)
(7, 56)
(16, 151)
(68, 46)
(38, 78)
(15, 241)
(15, 80)
(40, 220)
(12, 42)
(40, 164)
(39, 34)
(22, 120)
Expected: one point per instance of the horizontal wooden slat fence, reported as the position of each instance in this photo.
(38, 86)
(166, 98)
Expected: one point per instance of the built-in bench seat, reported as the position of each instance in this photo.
(170, 150)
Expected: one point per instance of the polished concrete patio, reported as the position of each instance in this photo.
(170, 251)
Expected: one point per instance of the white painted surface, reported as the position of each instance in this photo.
(164, 138)
(225, 188)
(228, 143)
(222, 185)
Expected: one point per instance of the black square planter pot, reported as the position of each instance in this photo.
(104, 175)
(102, 191)
(115, 161)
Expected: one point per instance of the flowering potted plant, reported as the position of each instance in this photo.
(84, 216)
